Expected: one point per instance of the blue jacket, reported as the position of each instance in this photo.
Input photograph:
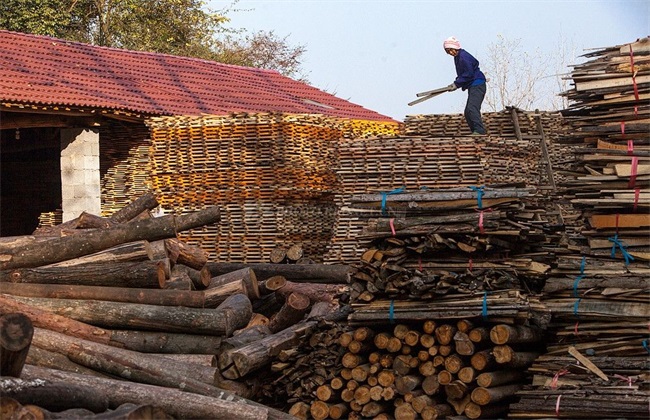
(467, 70)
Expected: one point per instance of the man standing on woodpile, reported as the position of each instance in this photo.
(468, 77)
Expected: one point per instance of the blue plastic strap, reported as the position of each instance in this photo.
(575, 285)
(582, 265)
(617, 242)
(645, 345)
(479, 196)
(384, 196)
(485, 311)
(575, 306)
(391, 312)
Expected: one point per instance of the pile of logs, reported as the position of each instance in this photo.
(425, 370)
(119, 307)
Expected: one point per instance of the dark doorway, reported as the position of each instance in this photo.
(30, 178)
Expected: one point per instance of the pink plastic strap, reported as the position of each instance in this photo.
(627, 379)
(480, 222)
(637, 193)
(633, 171)
(557, 405)
(392, 225)
(630, 147)
(470, 264)
(557, 376)
(575, 328)
(623, 131)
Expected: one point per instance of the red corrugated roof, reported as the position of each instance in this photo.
(50, 71)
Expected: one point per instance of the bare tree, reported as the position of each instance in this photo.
(514, 76)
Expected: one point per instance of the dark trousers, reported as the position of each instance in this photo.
(475, 97)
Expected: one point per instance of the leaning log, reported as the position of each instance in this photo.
(232, 314)
(177, 403)
(16, 331)
(74, 246)
(132, 251)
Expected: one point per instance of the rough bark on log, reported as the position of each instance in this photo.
(144, 274)
(137, 367)
(16, 331)
(74, 246)
(245, 275)
(143, 341)
(229, 316)
(182, 253)
(293, 311)
(145, 202)
(132, 251)
(52, 396)
(315, 292)
(180, 404)
(49, 359)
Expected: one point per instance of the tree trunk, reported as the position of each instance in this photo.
(293, 311)
(246, 275)
(315, 292)
(16, 331)
(50, 359)
(145, 202)
(132, 251)
(74, 246)
(147, 274)
(182, 253)
(177, 403)
(232, 314)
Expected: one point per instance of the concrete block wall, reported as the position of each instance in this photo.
(80, 176)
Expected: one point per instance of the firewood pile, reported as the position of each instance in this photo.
(596, 364)
(122, 318)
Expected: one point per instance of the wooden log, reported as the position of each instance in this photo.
(338, 411)
(372, 409)
(515, 334)
(52, 395)
(407, 383)
(180, 404)
(294, 253)
(145, 202)
(445, 334)
(244, 275)
(315, 292)
(463, 345)
(143, 274)
(232, 314)
(485, 396)
(456, 389)
(300, 410)
(74, 246)
(405, 412)
(475, 411)
(181, 253)
(272, 284)
(49, 359)
(479, 334)
(128, 252)
(293, 311)
(16, 331)
(467, 374)
(256, 355)
(499, 377)
(505, 354)
(312, 273)
(483, 360)
(138, 367)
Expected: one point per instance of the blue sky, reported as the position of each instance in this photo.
(379, 54)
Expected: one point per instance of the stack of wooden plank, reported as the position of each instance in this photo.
(435, 155)
(596, 364)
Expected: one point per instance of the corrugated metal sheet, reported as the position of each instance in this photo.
(50, 71)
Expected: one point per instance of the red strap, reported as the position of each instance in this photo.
(480, 222)
(637, 192)
(623, 129)
(575, 328)
(392, 226)
(633, 171)
(470, 265)
(630, 147)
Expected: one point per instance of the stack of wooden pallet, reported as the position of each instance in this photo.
(271, 174)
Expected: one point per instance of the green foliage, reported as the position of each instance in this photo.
(177, 27)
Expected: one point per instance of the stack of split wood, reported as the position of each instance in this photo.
(96, 299)
(426, 370)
